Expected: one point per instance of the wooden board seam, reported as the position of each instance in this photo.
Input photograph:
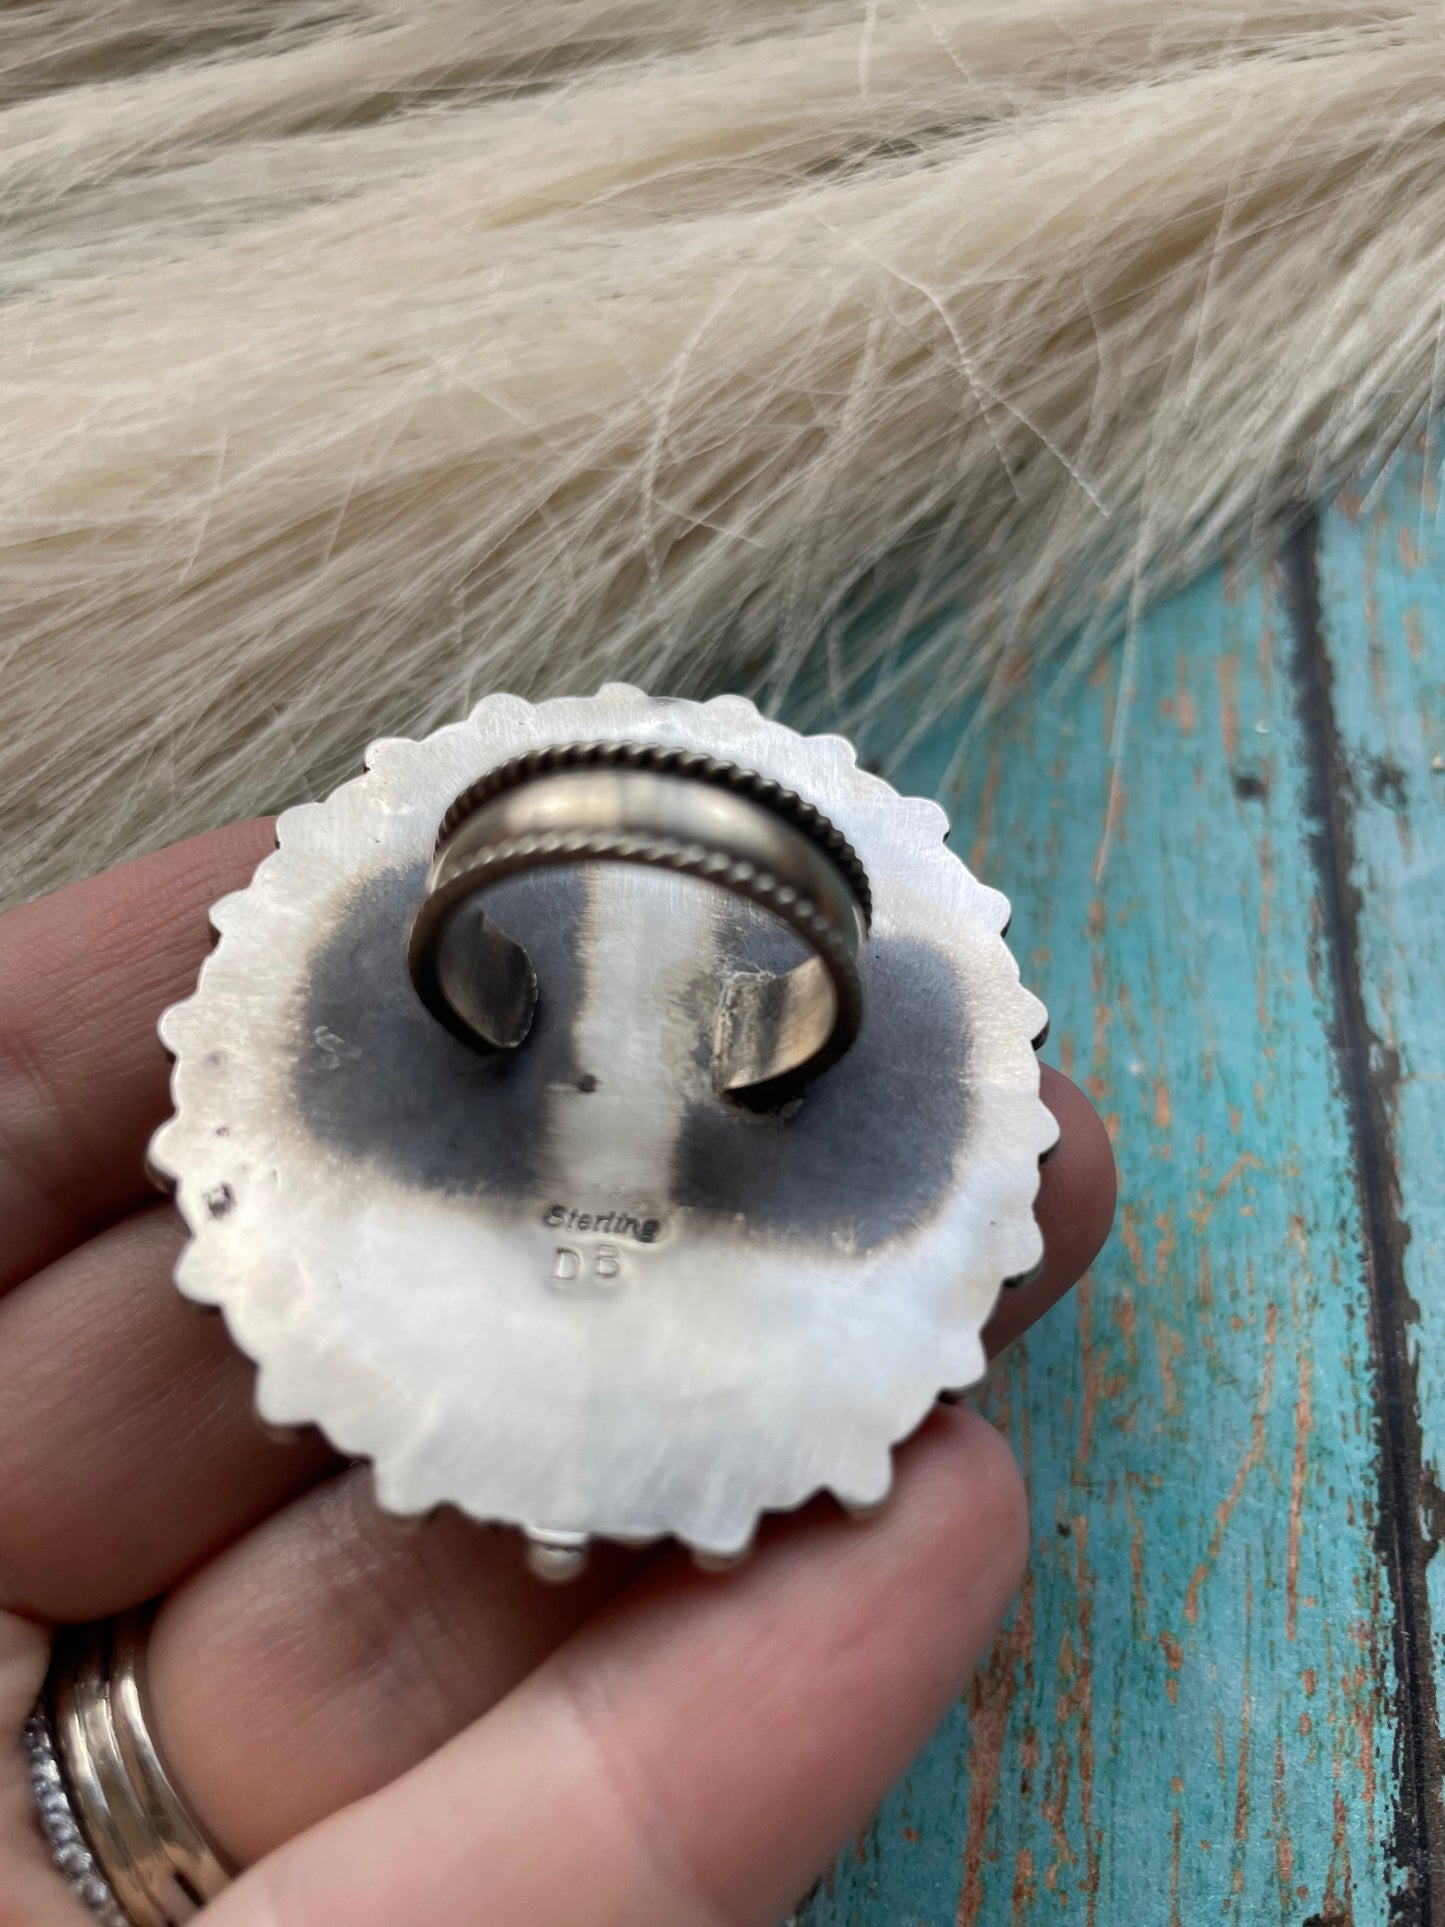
(1411, 1507)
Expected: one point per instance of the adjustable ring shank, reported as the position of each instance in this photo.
(773, 1031)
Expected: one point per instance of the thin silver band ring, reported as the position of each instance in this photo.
(120, 1832)
(639, 803)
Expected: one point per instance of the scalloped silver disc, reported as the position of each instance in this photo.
(401, 1231)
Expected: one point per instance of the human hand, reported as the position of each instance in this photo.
(392, 1724)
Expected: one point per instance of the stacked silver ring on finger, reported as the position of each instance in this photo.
(119, 1832)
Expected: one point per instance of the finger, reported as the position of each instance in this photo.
(1075, 1209)
(332, 1649)
(695, 1753)
(127, 1431)
(337, 1646)
(84, 975)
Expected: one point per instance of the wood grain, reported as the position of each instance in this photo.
(1215, 1700)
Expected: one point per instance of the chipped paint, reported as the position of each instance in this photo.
(1203, 1707)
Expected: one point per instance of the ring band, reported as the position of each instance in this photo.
(671, 809)
(118, 1829)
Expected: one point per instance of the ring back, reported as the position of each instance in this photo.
(574, 1285)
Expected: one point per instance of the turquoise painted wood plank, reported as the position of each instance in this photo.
(1193, 1713)
(1381, 569)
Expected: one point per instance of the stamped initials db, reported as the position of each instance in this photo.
(573, 1267)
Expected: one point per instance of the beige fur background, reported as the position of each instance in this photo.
(358, 359)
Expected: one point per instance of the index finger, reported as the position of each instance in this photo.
(84, 975)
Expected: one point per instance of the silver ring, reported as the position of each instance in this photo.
(673, 809)
(119, 1832)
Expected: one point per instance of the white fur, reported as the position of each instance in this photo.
(358, 359)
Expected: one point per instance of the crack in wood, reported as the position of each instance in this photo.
(1411, 1510)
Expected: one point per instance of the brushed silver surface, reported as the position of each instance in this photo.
(572, 1286)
